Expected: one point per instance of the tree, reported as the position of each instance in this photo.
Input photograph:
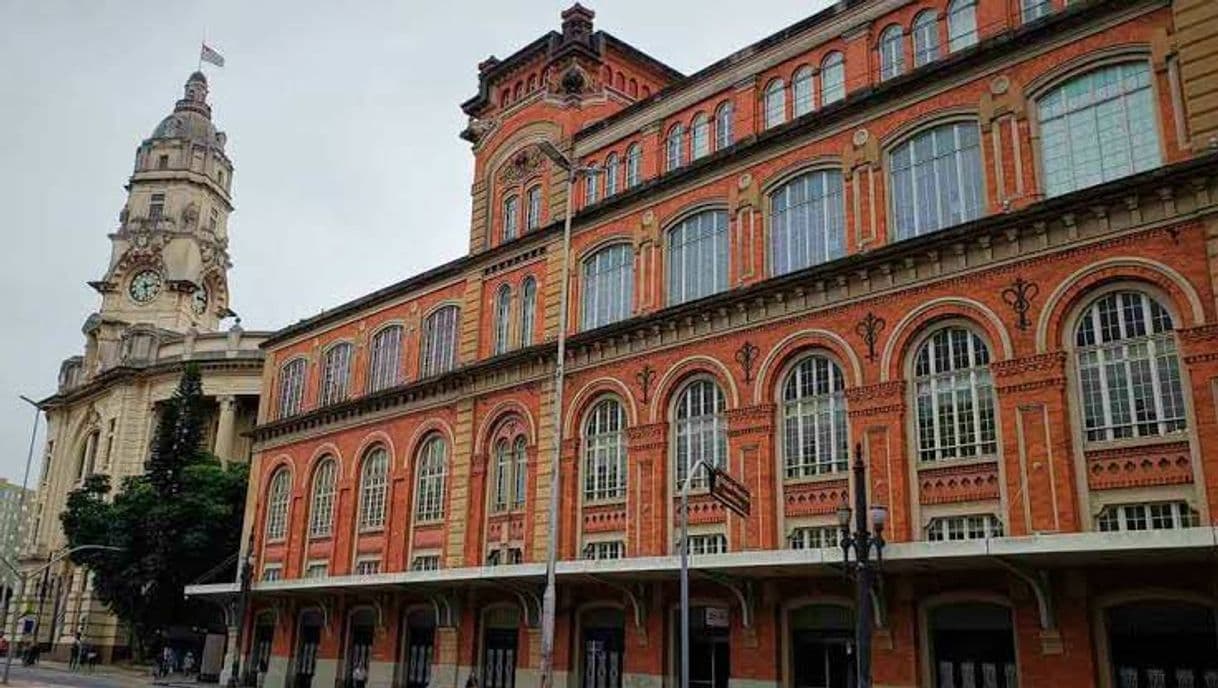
(172, 525)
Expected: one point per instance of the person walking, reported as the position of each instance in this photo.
(188, 663)
(359, 676)
(74, 653)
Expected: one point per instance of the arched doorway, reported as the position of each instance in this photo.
(360, 631)
(308, 638)
(499, 647)
(972, 644)
(417, 650)
(709, 646)
(260, 645)
(602, 646)
(821, 638)
(1172, 644)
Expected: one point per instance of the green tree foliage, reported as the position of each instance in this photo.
(172, 525)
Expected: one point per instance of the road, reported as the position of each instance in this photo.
(42, 677)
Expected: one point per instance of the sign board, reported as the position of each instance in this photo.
(728, 492)
(717, 617)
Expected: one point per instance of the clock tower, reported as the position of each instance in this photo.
(169, 257)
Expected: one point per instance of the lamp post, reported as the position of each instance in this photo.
(549, 599)
(247, 577)
(29, 458)
(863, 568)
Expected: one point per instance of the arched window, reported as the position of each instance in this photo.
(592, 184)
(611, 174)
(925, 38)
(892, 52)
(503, 318)
(697, 257)
(700, 136)
(321, 512)
(1097, 127)
(832, 78)
(1129, 368)
(936, 179)
(533, 216)
(674, 147)
(605, 452)
(528, 310)
(814, 419)
(608, 286)
(1035, 9)
(439, 341)
(807, 221)
(724, 116)
(634, 165)
(385, 362)
(277, 505)
(520, 472)
(775, 103)
(336, 372)
(961, 24)
(955, 396)
(291, 387)
(373, 486)
(430, 472)
(802, 98)
(511, 474)
(511, 214)
(701, 430)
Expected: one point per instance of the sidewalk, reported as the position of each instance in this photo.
(110, 670)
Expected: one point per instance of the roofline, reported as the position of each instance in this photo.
(630, 50)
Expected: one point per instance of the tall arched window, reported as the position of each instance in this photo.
(724, 117)
(373, 487)
(807, 221)
(321, 512)
(634, 165)
(955, 396)
(697, 257)
(439, 350)
(528, 310)
(936, 179)
(832, 78)
(511, 474)
(291, 387)
(511, 217)
(1129, 368)
(605, 452)
(700, 136)
(802, 97)
(592, 182)
(700, 428)
(503, 318)
(430, 471)
(892, 52)
(277, 505)
(611, 174)
(336, 373)
(814, 419)
(1097, 127)
(520, 472)
(608, 286)
(775, 103)
(533, 217)
(674, 147)
(925, 38)
(385, 361)
(1035, 9)
(961, 24)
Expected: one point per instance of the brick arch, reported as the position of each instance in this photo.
(947, 115)
(896, 350)
(324, 449)
(497, 416)
(423, 433)
(1185, 302)
(275, 464)
(796, 345)
(370, 440)
(1081, 64)
(679, 373)
(589, 394)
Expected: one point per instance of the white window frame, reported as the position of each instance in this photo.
(425, 562)
(1032, 10)
(603, 550)
(724, 125)
(605, 452)
(592, 184)
(321, 508)
(815, 437)
(832, 78)
(367, 566)
(317, 569)
(291, 387)
(962, 527)
(803, 91)
(699, 430)
(611, 174)
(702, 544)
(336, 373)
(373, 489)
(807, 221)
(942, 431)
(385, 358)
(438, 353)
(892, 52)
(608, 286)
(634, 165)
(1160, 515)
(697, 255)
(511, 217)
(278, 501)
(961, 25)
(814, 537)
(431, 473)
(503, 319)
(775, 103)
(528, 310)
(674, 148)
(957, 186)
(699, 136)
(272, 573)
(925, 36)
(533, 215)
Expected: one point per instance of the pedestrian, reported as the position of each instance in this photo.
(92, 658)
(262, 667)
(188, 663)
(359, 676)
(166, 660)
(74, 653)
(472, 681)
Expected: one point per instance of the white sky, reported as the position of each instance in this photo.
(342, 122)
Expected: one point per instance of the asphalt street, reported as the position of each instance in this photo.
(40, 677)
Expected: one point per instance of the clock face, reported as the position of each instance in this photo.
(145, 286)
(198, 300)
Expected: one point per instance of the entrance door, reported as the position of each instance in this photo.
(499, 658)
(709, 652)
(603, 643)
(419, 649)
(359, 646)
(306, 649)
(973, 645)
(260, 651)
(821, 640)
(1162, 645)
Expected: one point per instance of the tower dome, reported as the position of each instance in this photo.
(191, 117)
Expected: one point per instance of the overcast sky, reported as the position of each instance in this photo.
(342, 122)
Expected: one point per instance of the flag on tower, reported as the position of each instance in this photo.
(209, 55)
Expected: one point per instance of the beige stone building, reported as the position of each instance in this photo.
(164, 302)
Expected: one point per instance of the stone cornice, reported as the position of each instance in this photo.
(245, 360)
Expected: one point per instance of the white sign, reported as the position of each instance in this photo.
(717, 617)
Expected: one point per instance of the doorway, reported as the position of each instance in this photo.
(709, 648)
(418, 649)
(359, 643)
(1162, 644)
(306, 648)
(499, 647)
(972, 644)
(822, 637)
(602, 647)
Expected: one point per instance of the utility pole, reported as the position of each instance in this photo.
(864, 569)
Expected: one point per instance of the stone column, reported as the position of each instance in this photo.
(226, 429)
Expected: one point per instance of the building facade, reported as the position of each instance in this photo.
(973, 238)
(164, 295)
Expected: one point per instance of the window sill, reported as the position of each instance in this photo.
(321, 538)
(429, 522)
(1135, 442)
(820, 478)
(377, 530)
(606, 502)
(957, 463)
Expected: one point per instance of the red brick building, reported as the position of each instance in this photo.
(975, 237)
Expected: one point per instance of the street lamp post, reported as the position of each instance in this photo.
(25, 480)
(247, 577)
(864, 569)
(549, 599)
